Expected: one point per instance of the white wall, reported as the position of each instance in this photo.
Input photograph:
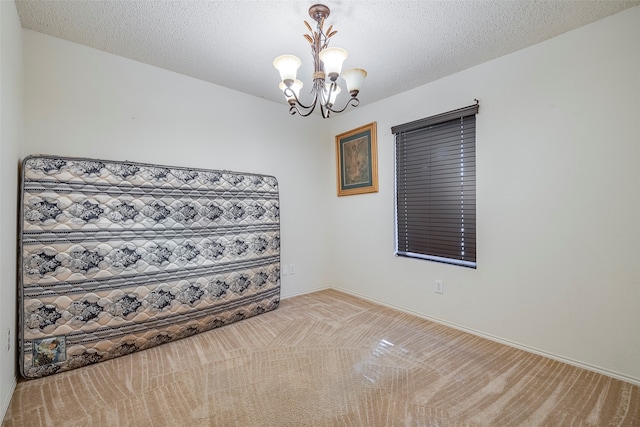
(558, 201)
(84, 102)
(10, 151)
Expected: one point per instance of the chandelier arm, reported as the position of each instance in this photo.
(354, 102)
(293, 109)
(299, 107)
(324, 111)
(289, 92)
(321, 95)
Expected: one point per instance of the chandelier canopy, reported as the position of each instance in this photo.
(327, 68)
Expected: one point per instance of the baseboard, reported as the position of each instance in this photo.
(569, 361)
(309, 291)
(7, 400)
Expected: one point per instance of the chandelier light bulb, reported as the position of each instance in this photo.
(288, 66)
(331, 91)
(295, 87)
(332, 58)
(354, 78)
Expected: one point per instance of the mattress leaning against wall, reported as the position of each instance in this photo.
(117, 257)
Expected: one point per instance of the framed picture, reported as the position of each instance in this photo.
(357, 161)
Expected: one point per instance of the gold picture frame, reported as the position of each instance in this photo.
(357, 161)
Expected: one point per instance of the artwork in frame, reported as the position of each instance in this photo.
(357, 161)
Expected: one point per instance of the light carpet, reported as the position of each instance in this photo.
(327, 359)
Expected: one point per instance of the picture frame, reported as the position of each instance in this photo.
(357, 161)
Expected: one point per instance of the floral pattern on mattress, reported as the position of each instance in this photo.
(117, 257)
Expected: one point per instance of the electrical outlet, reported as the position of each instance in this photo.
(8, 339)
(439, 287)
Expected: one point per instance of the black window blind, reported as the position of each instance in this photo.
(436, 188)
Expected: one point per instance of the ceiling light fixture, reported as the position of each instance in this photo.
(327, 68)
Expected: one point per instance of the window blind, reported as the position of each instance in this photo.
(436, 188)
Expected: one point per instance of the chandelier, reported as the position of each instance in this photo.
(327, 68)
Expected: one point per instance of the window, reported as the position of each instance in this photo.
(436, 187)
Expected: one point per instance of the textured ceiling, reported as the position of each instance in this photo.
(402, 44)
